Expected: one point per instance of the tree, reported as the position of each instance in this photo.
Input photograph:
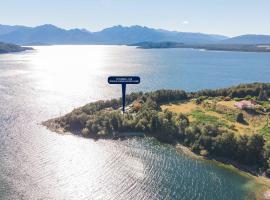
(226, 144)
(192, 134)
(115, 121)
(262, 95)
(198, 101)
(210, 130)
(142, 125)
(241, 151)
(205, 142)
(266, 150)
(182, 122)
(154, 122)
(255, 146)
(240, 118)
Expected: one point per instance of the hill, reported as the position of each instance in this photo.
(248, 39)
(9, 48)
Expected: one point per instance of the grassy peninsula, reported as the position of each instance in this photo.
(207, 122)
(210, 47)
(11, 48)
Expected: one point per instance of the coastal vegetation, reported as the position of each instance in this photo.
(207, 121)
(212, 47)
(8, 48)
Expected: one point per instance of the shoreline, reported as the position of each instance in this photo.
(262, 192)
(262, 182)
(209, 138)
(210, 50)
(253, 48)
(54, 127)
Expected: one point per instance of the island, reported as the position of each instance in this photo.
(11, 48)
(230, 125)
(210, 47)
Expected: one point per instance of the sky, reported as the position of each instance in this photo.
(227, 17)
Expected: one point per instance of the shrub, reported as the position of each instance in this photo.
(204, 153)
(227, 98)
(267, 173)
(85, 132)
(248, 97)
(198, 101)
(240, 118)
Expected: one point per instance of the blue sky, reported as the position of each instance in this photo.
(228, 17)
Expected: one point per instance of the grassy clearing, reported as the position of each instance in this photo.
(230, 117)
(201, 117)
(184, 107)
(228, 104)
(222, 114)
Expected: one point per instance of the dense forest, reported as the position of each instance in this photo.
(8, 48)
(104, 119)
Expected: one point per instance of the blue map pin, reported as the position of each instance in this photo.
(124, 80)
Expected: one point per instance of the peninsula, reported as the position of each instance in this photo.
(11, 48)
(210, 47)
(231, 125)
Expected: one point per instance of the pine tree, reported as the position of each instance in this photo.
(262, 95)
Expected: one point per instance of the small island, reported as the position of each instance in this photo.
(11, 48)
(210, 47)
(231, 125)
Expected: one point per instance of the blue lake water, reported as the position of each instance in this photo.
(52, 80)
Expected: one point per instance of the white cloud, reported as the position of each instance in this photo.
(185, 22)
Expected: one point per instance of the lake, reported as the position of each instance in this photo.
(52, 80)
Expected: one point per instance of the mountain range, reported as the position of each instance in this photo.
(49, 34)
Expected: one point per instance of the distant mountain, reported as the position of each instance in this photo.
(45, 34)
(50, 34)
(248, 39)
(135, 34)
(6, 29)
(9, 48)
